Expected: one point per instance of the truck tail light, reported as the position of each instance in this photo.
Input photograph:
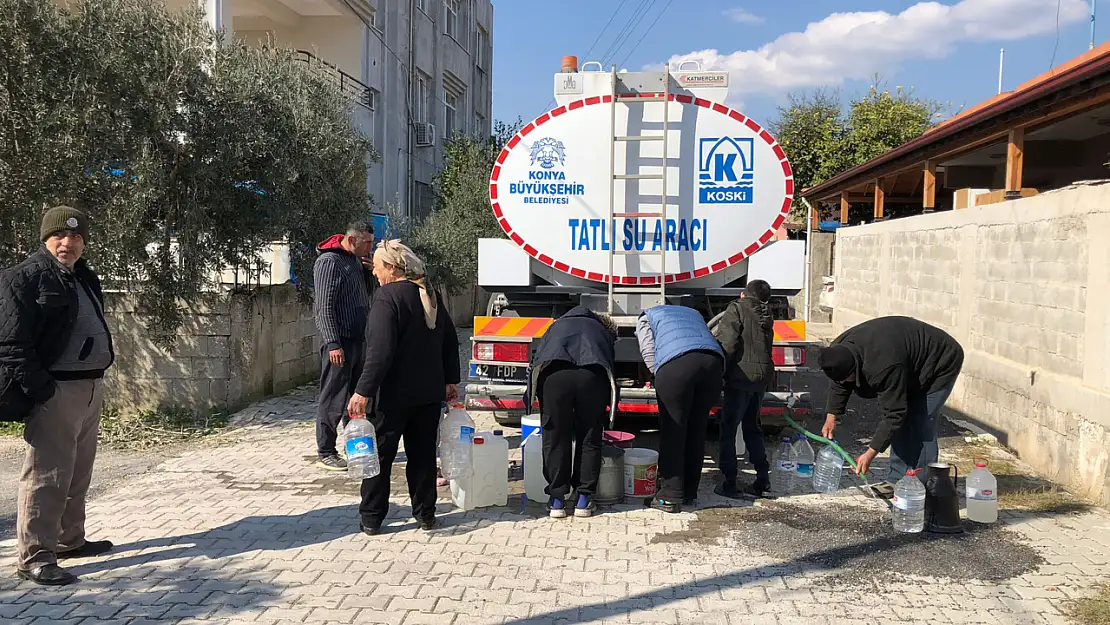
(788, 356)
(501, 352)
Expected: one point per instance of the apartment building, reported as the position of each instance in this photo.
(419, 71)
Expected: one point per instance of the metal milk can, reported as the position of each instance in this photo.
(610, 484)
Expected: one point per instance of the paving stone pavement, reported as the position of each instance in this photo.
(250, 532)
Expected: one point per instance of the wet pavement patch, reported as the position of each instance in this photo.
(857, 544)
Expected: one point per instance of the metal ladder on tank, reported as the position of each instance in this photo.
(659, 289)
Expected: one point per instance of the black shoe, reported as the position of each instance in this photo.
(428, 524)
(666, 505)
(690, 501)
(90, 549)
(332, 463)
(48, 575)
(758, 489)
(369, 530)
(727, 489)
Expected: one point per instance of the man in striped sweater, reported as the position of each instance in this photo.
(342, 306)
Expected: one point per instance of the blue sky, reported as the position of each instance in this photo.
(946, 50)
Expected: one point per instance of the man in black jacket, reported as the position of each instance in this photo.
(54, 349)
(342, 304)
(573, 374)
(746, 332)
(911, 367)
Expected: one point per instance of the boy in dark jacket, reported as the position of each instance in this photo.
(573, 373)
(746, 332)
(911, 367)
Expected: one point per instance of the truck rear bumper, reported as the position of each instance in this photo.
(634, 401)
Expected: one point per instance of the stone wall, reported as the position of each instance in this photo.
(231, 350)
(1025, 287)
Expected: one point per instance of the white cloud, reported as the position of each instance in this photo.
(853, 46)
(742, 16)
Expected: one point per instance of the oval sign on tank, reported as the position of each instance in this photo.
(728, 188)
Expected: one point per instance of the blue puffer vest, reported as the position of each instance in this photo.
(679, 330)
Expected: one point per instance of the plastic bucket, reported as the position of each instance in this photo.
(640, 469)
(528, 424)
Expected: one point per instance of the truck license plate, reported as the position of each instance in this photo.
(498, 372)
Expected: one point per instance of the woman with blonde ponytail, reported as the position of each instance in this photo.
(411, 368)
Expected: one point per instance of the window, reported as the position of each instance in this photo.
(479, 125)
(450, 114)
(451, 9)
(423, 98)
(372, 99)
(481, 44)
(424, 200)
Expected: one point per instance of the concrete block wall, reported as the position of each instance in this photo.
(231, 349)
(1025, 287)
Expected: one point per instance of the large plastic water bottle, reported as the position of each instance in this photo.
(456, 443)
(362, 449)
(982, 494)
(802, 456)
(828, 470)
(782, 472)
(909, 504)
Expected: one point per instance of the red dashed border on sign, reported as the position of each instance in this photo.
(646, 280)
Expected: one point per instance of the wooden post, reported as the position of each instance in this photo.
(815, 220)
(929, 201)
(844, 205)
(1015, 162)
(880, 199)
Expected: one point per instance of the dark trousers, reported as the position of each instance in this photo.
(686, 387)
(573, 408)
(337, 384)
(741, 409)
(915, 443)
(418, 426)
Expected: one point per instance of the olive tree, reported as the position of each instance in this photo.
(190, 155)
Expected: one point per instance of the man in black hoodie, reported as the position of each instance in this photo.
(911, 367)
(746, 333)
(341, 308)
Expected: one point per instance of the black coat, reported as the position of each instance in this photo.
(38, 307)
(408, 364)
(578, 338)
(747, 332)
(899, 360)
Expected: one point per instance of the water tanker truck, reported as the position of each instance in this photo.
(639, 188)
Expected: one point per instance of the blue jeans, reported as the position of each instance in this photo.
(916, 441)
(741, 409)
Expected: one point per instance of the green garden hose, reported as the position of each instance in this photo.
(821, 439)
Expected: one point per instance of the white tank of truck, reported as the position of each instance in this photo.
(639, 188)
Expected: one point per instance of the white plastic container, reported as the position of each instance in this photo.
(909, 504)
(801, 454)
(982, 494)
(488, 485)
(828, 471)
(456, 433)
(641, 467)
(782, 469)
(741, 446)
(535, 485)
(362, 449)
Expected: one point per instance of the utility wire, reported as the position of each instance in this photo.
(649, 29)
(626, 32)
(1055, 48)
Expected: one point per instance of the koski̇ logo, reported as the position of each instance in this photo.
(548, 152)
(726, 170)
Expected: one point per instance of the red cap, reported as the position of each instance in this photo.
(478, 440)
(980, 463)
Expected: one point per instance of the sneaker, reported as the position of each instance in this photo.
(557, 508)
(369, 530)
(90, 549)
(727, 489)
(666, 505)
(332, 463)
(586, 507)
(759, 489)
(428, 524)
